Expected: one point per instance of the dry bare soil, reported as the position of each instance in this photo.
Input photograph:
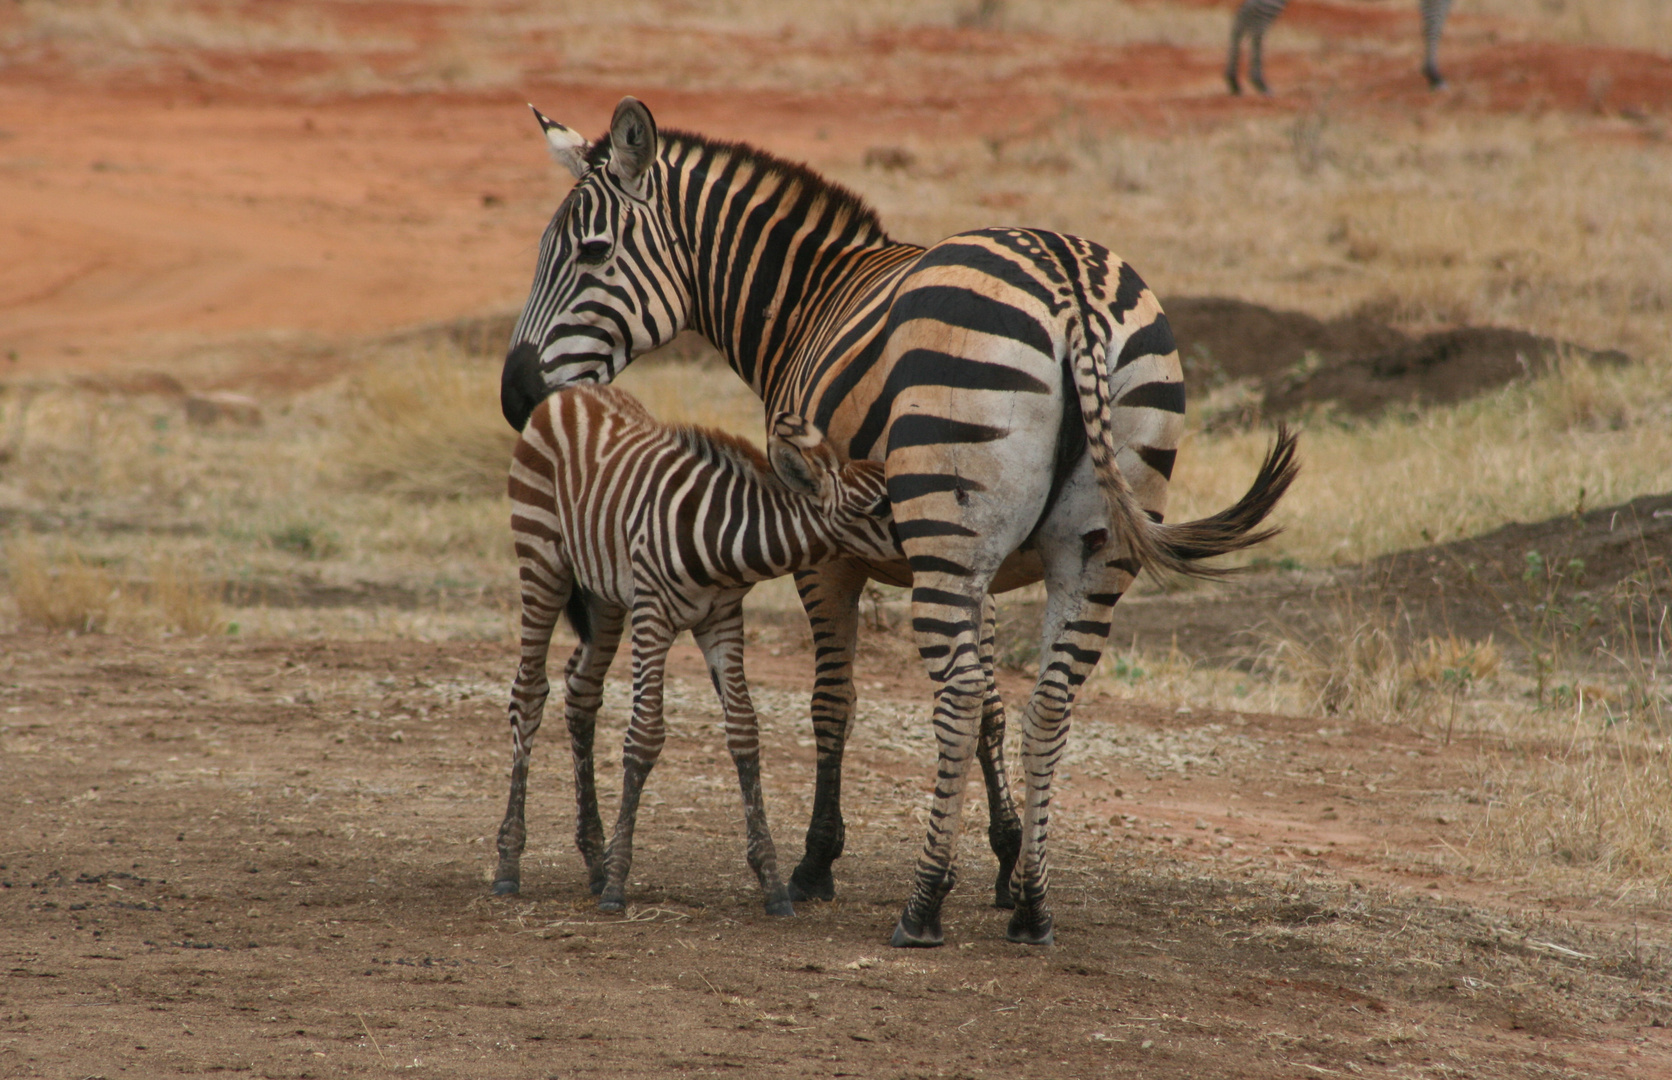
(271, 857)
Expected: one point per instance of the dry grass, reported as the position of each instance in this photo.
(61, 590)
(1526, 453)
(427, 428)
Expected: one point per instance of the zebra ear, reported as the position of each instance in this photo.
(632, 144)
(799, 474)
(796, 450)
(568, 147)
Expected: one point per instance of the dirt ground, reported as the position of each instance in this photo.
(274, 858)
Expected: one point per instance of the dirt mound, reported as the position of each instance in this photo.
(1359, 363)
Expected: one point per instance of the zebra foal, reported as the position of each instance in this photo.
(620, 520)
(1255, 17)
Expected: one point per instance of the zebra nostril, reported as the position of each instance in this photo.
(521, 386)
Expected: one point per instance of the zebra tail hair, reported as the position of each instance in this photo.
(1237, 526)
(1173, 549)
(580, 618)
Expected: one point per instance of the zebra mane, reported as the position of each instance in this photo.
(725, 449)
(794, 174)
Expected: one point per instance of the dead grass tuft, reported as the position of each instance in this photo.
(181, 600)
(1601, 802)
(427, 428)
(60, 591)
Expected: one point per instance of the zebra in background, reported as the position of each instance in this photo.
(619, 519)
(1255, 17)
(1020, 386)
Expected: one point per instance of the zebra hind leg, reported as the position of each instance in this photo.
(542, 599)
(653, 633)
(1004, 827)
(831, 596)
(583, 695)
(720, 637)
(1257, 61)
(945, 615)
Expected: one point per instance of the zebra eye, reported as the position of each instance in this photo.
(593, 252)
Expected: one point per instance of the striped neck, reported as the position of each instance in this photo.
(769, 241)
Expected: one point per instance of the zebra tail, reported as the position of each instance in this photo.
(1179, 548)
(580, 618)
(1237, 526)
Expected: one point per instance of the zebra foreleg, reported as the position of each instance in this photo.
(583, 695)
(945, 622)
(653, 633)
(1004, 827)
(542, 599)
(830, 594)
(720, 637)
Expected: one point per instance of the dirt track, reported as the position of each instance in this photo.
(273, 859)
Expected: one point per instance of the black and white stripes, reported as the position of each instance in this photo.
(627, 523)
(1255, 17)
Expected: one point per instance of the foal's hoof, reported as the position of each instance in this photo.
(612, 899)
(507, 887)
(780, 907)
(1003, 899)
(1031, 931)
(927, 936)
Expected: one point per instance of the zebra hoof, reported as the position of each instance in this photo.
(1232, 83)
(507, 887)
(927, 936)
(1026, 931)
(1003, 898)
(780, 908)
(612, 899)
(812, 885)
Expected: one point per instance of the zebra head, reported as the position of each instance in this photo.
(852, 498)
(604, 290)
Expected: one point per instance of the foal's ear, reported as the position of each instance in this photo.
(797, 452)
(568, 147)
(632, 144)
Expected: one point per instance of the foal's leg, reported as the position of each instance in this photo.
(720, 637)
(545, 589)
(830, 593)
(583, 694)
(653, 634)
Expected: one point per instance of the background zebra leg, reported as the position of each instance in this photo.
(1004, 827)
(1257, 57)
(1434, 14)
(1234, 60)
(583, 695)
(1076, 629)
(948, 639)
(720, 637)
(831, 596)
(540, 605)
(646, 732)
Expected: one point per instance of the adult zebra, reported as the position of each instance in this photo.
(1011, 380)
(620, 519)
(1255, 17)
